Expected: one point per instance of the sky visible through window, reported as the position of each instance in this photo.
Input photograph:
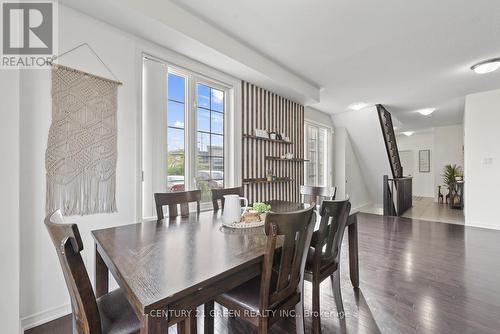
(210, 135)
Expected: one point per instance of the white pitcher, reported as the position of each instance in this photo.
(232, 209)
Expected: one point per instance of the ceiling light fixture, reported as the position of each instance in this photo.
(486, 66)
(408, 133)
(358, 106)
(426, 111)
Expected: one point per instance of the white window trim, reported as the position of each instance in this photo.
(330, 155)
(232, 119)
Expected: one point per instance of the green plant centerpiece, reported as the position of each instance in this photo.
(262, 209)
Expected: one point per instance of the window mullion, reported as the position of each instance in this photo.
(190, 134)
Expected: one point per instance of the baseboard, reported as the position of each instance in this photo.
(361, 206)
(481, 225)
(40, 318)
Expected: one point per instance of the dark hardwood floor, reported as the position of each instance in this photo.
(416, 277)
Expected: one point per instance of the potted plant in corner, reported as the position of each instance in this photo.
(452, 174)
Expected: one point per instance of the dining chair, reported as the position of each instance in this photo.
(317, 194)
(177, 198)
(324, 255)
(267, 298)
(218, 195)
(108, 314)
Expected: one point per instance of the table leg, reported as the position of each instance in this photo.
(101, 275)
(209, 318)
(353, 252)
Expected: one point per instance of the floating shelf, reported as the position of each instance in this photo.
(280, 159)
(263, 180)
(268, 139)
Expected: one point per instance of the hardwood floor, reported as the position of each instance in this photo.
(424, 208)
(416, 277)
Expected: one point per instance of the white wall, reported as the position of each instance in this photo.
(43, 292)
(367, 143)
(9, 200)
(347, 173)
(448, 149)
(423, 183)
(482, 155)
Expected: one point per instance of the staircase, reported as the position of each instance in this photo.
(397, 192)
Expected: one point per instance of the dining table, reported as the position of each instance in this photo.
(167, 268)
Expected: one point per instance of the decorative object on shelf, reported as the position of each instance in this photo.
(278, 136)
(269, 175)
(81, 178)
(289, 156)
(287, 139)
(261, 133)
(424, 161)
(272, 135)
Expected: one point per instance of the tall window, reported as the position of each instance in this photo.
(204, 117)
(210, 139)
(176, 107)
(187, 120)
(317, 140)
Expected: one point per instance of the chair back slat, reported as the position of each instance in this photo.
(218, 195)
(334, 216)
(294, 229)
(317, 194)
(68, 244)
(172, 200)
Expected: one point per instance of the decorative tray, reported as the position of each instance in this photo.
(249, 219)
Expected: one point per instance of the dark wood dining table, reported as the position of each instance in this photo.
(171, 266)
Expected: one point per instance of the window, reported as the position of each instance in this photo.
(176, 109)
(210, 139)
(187, 121)
(317, 139)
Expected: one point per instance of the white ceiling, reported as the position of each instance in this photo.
(403, 54)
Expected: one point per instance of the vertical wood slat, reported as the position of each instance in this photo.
(265, 110)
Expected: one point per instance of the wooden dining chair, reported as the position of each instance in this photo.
(324, 255)
(110, 313)
(267, 298)
(177, 198)
(317, 194)
(218, 195)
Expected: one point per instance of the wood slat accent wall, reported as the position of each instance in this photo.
(265, 110)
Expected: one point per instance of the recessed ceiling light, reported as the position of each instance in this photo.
(358, 106)
(408, 133)
(486, 66)
(426, 111)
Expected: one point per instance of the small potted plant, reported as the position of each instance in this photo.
(262, 209)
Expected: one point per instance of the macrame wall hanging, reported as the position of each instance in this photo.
(82, 145)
